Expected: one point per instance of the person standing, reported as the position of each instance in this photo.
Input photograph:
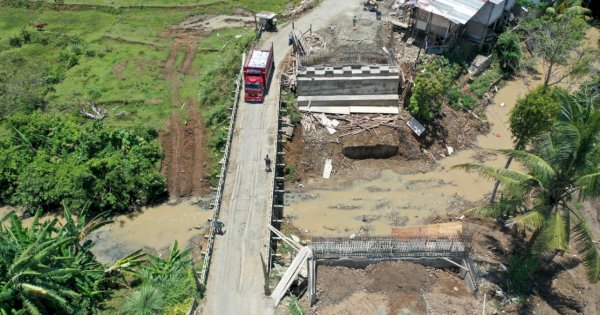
(354, 23)
(267, 163)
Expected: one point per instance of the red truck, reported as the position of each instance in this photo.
(258, 69)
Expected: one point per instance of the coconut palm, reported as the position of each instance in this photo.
(564, 165)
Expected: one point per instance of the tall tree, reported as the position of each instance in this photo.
(565, 166)
(531, 116)
(554, 40)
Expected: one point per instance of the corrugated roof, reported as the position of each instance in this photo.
(457, 11)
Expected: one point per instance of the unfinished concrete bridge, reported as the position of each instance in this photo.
(440, 250)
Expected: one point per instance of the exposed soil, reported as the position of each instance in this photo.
(390, 288)
(186, 159)
(308, 150)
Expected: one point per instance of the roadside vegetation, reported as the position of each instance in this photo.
(48, 268)
(61, 61)
(49, 160)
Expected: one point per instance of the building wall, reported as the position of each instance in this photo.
(509, 5)
(475, 30)
(439, 24)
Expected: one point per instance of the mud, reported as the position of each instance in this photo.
(186, 160)
(389, 288)
(391, 198)
(186, 157)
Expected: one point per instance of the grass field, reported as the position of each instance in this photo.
(126, 70)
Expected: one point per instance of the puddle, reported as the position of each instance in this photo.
(408, 199)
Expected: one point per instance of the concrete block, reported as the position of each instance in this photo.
(365, 71)
(329, 71)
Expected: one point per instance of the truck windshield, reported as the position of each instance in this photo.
(253, 86)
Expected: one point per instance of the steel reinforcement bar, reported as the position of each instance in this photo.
(224, 162)
(381, 248)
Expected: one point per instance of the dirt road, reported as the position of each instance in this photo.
(236, 279)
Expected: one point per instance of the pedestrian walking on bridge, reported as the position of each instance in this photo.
(267, 163)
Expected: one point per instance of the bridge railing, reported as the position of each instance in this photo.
(277, 162)
(219, 195)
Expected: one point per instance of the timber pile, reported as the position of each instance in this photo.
(288, 78)
(313, 43)
(304, 5)
(352, 124)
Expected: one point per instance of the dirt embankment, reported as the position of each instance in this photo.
(184, 143)
(308, 149)
(186, 159)
(391, 288)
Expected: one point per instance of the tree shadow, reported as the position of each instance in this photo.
(433, 131)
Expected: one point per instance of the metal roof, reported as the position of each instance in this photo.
(457, 11)
(259, 59)
(265, 15)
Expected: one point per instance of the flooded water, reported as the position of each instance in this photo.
(155, 228)
(408, 199)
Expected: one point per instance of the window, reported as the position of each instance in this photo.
(253, 86)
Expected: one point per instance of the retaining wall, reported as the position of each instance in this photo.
(348, 80)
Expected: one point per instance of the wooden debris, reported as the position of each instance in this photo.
(95, 112)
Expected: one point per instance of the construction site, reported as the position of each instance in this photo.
(371, 211)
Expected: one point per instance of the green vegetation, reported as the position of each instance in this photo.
(167, 286)
(431, 83)
(561, 168)
(50, 160)
(48, 268)
(530, 116)
(290, 107)
(294, 307)
(554, 40)
(508, 50)
(518, 274)
(482, 83)
(290, 171)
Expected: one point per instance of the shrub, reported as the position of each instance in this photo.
(290, 171)
(26, 35)
(508, 51)
(51, 160)
(468, 102)
(431, 82)
(15, 41)
(518, 274)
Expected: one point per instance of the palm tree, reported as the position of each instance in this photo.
(564, 165)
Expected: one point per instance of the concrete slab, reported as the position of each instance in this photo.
(326, 109)
(374, 110)
(349, 100)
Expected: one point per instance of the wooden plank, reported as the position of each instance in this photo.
(433, 230)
